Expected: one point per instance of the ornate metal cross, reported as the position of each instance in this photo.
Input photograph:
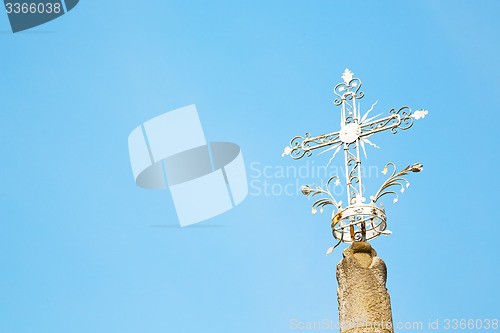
(358, 221)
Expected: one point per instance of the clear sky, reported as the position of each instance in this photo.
(83, 249)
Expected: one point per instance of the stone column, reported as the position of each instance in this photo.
(364, 302)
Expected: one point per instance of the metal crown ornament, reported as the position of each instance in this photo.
(358, 221)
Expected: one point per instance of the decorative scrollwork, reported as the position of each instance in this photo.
(319, 204)
(344, 91)
(406, 118)
(358, 236)
(396, 180)
(301, 146)
(400, 119)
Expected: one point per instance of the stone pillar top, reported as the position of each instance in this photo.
(364, 302)
(359, 247)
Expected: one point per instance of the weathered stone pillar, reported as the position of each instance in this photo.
(364, 302)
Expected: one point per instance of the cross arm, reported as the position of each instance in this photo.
(300, 146)
(400, 119)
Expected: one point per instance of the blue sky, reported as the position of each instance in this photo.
(83, 249)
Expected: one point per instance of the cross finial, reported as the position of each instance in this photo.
(347, 76)
(359, 220)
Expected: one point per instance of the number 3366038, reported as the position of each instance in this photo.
(33, 8)
(478, 324)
